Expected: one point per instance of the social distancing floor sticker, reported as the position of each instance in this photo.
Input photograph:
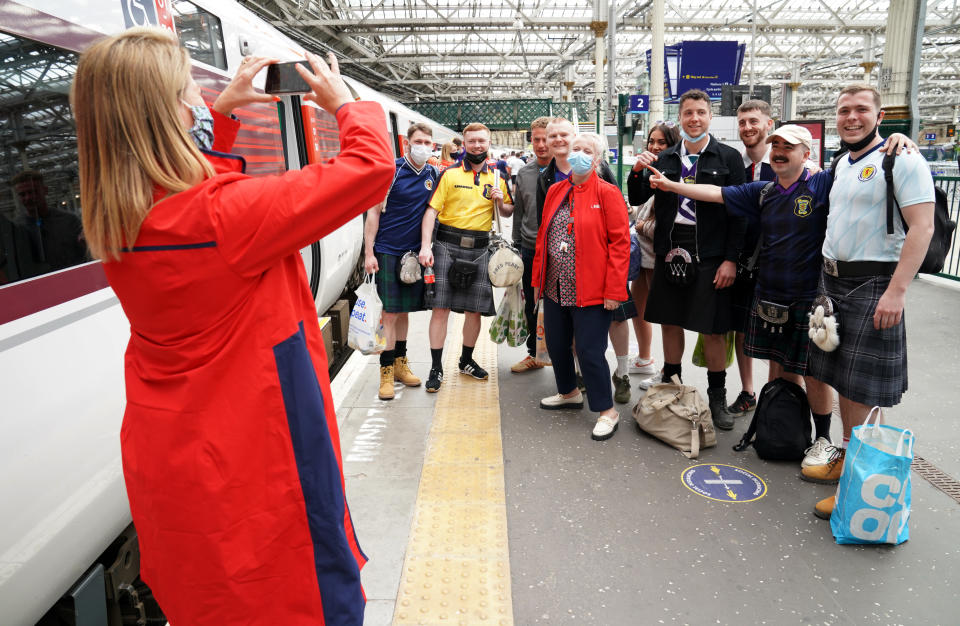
(724, 483)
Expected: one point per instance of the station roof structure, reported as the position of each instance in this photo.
(436, 50)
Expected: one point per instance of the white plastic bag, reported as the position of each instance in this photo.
(366, 331)
(510, 325)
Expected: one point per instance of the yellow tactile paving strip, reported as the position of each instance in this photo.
(457, 567)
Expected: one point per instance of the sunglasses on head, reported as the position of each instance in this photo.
(667, 123)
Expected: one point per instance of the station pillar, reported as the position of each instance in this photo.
(899, 75)
(656, 65)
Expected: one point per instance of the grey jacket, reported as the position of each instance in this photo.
(525, 224)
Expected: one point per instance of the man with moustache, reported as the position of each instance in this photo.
(525, 227)
(697, 247)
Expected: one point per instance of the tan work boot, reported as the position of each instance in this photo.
(402, 373)
(824, 508)
(386, 382)
(827, 474)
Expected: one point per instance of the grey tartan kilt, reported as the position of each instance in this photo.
(869, 366)
(478, 298)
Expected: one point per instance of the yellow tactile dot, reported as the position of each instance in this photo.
(467, 419)
(478, 447)
(472, 598)
(457, 568)
(460, 482)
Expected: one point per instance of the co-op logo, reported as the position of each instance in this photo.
(147, 13)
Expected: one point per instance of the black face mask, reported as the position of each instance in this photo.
(477, 159)
(863, 143)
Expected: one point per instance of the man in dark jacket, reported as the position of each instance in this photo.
(696, 251)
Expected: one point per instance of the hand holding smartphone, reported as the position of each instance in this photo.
(283, 78)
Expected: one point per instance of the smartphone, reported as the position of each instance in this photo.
(282, 78)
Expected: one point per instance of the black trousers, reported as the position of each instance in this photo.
(589, 325)
(528, 302)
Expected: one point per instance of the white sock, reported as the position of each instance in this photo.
(623, 365)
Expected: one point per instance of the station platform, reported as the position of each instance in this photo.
(477, 507)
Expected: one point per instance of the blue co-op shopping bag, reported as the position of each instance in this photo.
(873, 496)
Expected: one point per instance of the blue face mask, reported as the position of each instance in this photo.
(202, 130)
(581, 162)
(684, 134)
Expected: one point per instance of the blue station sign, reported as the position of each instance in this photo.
(724, 483)
(639, 104)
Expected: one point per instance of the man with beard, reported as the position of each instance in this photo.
(461, 208)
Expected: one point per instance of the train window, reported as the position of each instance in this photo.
(40, 226)
(200, 33)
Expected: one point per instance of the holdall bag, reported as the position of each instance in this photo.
(677, 415)
(780, 429)
(873, 495)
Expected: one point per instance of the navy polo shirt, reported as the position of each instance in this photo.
(793, 223)
(406, 203)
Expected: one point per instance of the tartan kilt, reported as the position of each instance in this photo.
(397, 297)
(478, 298)
(743, 307)
(789, 348)
(869, 366)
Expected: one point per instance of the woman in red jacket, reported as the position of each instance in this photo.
(580, 267)
(229, 442)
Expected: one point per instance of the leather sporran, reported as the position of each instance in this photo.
(775, 316)
(680, 267)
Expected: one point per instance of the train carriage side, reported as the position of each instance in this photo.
(62, 330)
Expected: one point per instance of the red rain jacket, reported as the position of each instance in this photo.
(602, 234)
(230, 446)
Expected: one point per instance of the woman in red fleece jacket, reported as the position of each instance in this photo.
(229, 442)
(580, 270)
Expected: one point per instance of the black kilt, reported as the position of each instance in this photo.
(741, 298)
(478, 298)
(790, 347)
(397, 297)
(697, 307)
(869, 366)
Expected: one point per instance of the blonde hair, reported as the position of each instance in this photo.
(130, 136)
(446, 154)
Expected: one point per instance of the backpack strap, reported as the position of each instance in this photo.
(835, 161)
(888, 163)
(748, 436)
(752, 261)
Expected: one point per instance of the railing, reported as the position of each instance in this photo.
(951, 185)
(498, 114)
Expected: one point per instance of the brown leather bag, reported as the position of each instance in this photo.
(677, 415)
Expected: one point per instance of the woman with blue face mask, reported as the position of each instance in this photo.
(580, 272)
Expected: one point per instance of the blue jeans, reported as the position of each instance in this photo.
(589, 325)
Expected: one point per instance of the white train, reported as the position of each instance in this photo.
(67, 550)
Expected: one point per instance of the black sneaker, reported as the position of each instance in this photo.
(470, 368)
(744, 403)
(434, 380)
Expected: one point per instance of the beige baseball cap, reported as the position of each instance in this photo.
(793, 134)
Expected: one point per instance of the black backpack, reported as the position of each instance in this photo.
(943, 226)
(780, 430)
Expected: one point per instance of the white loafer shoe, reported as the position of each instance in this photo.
(557, 401)
(605, 427)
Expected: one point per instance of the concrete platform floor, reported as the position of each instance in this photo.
(606, 533)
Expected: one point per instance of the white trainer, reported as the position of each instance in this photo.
(819, 453)
(642, 367)
(606, 426)
(557, 401)
(652, 380)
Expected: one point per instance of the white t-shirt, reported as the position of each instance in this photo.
(515, 163)
(857, 223)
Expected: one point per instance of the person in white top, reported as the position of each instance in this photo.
(866, 272)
